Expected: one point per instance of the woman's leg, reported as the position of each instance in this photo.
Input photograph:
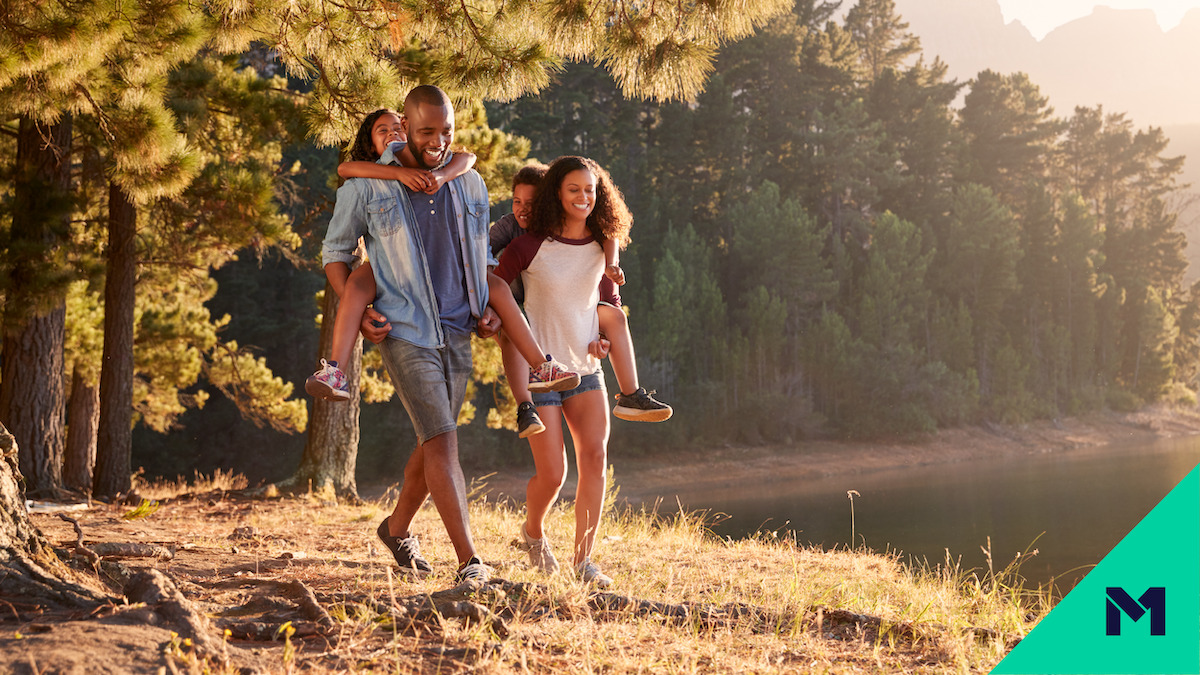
(359, 292)
(550, 470)
(587, 418)
(615, 326)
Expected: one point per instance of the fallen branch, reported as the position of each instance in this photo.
(132, 550)
(82, 551)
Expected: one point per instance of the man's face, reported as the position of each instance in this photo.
(430, 129)
(523, 204)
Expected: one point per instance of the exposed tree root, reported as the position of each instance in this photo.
(162, 596)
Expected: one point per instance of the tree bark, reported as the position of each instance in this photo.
(30, 573)
(115, 437)
(83, 421)
(331, 450)
(31, 389)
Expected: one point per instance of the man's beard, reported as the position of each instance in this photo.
(423, 161)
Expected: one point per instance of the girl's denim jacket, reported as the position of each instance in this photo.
(379, 211)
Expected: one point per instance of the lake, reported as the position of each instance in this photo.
(1073, 506)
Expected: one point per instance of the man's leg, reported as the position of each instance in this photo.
(444, 477)
(431, 383)
(413, 492)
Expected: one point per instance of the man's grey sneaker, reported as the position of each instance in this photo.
(640, 406)
(528, 421)
(540, 555)
(552, 376)
(406, 551)
(328, 383)
(589, 573)
(473, 570)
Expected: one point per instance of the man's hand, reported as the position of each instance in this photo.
(374, 326)
(599, 347)
(489, 323)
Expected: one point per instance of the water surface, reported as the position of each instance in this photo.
(1072, 506)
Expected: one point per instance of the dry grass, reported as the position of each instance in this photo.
(924, 614)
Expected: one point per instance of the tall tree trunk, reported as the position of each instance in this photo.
(30, 573)
(115, 437)
(331, 451)
(83, 420)
(31, 389)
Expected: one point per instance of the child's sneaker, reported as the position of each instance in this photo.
(552, 376)
(540, 555)
(328, 383)
(529, 422)
(640, 406)
(589, 573)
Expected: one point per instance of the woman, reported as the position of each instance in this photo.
(561, 261)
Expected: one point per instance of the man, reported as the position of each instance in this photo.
(430, 258)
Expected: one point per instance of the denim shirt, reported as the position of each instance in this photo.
(379, 211)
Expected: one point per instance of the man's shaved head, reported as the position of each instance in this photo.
(425, 93)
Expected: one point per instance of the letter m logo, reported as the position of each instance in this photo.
(1154, 601)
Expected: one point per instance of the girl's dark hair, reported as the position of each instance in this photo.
(363, 150)
(610, 219)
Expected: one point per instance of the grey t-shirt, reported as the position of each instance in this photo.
(500, 235)
(439, 236)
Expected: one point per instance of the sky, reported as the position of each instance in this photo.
(1042, 16)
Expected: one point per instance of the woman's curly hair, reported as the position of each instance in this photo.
(610, 219)
(363, 148)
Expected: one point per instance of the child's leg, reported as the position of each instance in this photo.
(515, 368)
(635, 403)
(548, 375)
(615, 327)
(359, 292)
(512, 321)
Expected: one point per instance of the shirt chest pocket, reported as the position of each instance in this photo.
(477, 218)
(383, 216)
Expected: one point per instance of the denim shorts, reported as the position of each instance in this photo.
(586, 383)
(431, 382)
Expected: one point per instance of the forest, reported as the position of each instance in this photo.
(831, 237)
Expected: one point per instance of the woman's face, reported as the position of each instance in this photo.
(577, 193)
(385, 130)
(523, 204)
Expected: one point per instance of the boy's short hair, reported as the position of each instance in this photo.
(530, 174)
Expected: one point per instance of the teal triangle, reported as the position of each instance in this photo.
(1162, 552)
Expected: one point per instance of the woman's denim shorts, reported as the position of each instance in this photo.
(586, 383)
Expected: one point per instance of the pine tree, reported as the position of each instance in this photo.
(32, 390)
(881, 36)
(1009, 129)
